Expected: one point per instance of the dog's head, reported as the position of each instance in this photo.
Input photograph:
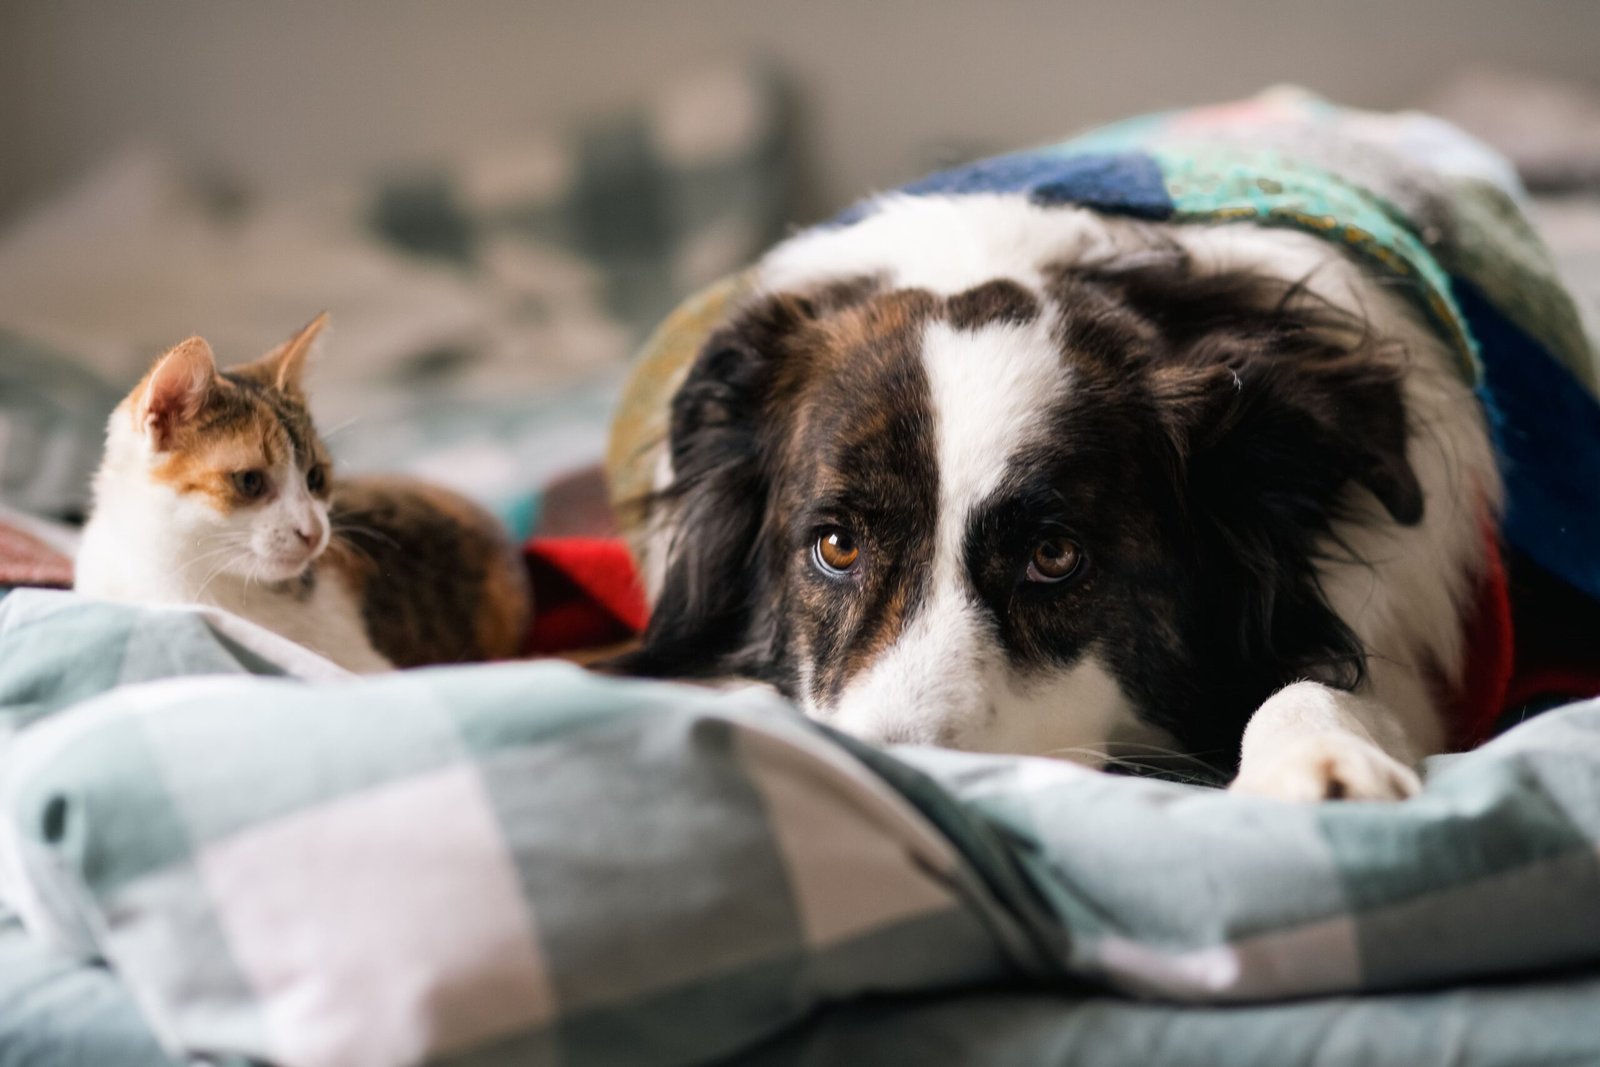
(1026, 516)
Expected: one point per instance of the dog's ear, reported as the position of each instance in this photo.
(1290, 409)
(710, 616)
(1274, 404)
(1260, 373)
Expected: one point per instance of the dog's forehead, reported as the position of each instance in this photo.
(993, 391)
(963, 374)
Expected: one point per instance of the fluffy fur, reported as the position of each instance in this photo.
(1278, 485)
(215, 489)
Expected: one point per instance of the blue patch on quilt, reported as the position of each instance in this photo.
(1547, 432)
(1122, 183)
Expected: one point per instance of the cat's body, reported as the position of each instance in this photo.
(215, 489)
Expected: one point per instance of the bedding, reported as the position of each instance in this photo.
(524, 862)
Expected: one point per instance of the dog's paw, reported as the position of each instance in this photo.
(1327, 766)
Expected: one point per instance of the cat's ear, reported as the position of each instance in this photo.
(285, 365)
(175, 390)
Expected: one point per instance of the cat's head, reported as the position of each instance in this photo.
(226, 462)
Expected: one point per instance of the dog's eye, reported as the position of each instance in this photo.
(836, 551)
(249, 484)
(1055, 560)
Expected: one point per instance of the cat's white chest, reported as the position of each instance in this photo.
(114, 563)
(325, 618)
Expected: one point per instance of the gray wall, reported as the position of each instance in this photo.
(292, 92)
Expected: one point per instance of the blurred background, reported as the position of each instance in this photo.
(497, 200)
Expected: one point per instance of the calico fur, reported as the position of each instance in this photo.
(372, 573)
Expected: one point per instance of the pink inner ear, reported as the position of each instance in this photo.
(177, 388)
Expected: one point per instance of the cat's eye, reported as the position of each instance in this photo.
(836, 551)
(317, 478)
(250, 484)
(1055, 559)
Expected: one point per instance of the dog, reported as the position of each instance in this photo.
(1001, 475)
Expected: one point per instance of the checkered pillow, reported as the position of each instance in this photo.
(524, 863)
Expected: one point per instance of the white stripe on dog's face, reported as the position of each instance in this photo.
(990, 390)
(946, 679)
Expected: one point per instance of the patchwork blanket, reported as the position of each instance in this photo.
(529, 864)
(1415, 199)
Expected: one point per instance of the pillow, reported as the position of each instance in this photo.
(523, 862)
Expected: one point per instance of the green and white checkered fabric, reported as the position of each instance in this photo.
(530, 864)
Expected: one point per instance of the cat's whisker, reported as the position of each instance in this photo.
(1144, 758)
(339, 528)
(1088, 751)
(220, 568)
(212, 554)
(224, 537)
(1160, 750)
(342, 427)
(249, 579)
(346, 545)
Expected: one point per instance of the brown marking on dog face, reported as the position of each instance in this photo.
(857, 455)
(1001, 301)
(1096, 326)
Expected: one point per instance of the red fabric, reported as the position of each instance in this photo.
(26, 560)
(1557, 638)
(585, 594)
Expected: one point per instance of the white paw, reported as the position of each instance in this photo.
(1327, 766)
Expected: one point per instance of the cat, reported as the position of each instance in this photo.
(216, 489)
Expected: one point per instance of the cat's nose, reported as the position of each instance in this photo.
(307, 535)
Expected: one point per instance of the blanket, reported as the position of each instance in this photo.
(526, 863)
(1419, 203)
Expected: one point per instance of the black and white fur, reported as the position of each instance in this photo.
(1276, 476)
